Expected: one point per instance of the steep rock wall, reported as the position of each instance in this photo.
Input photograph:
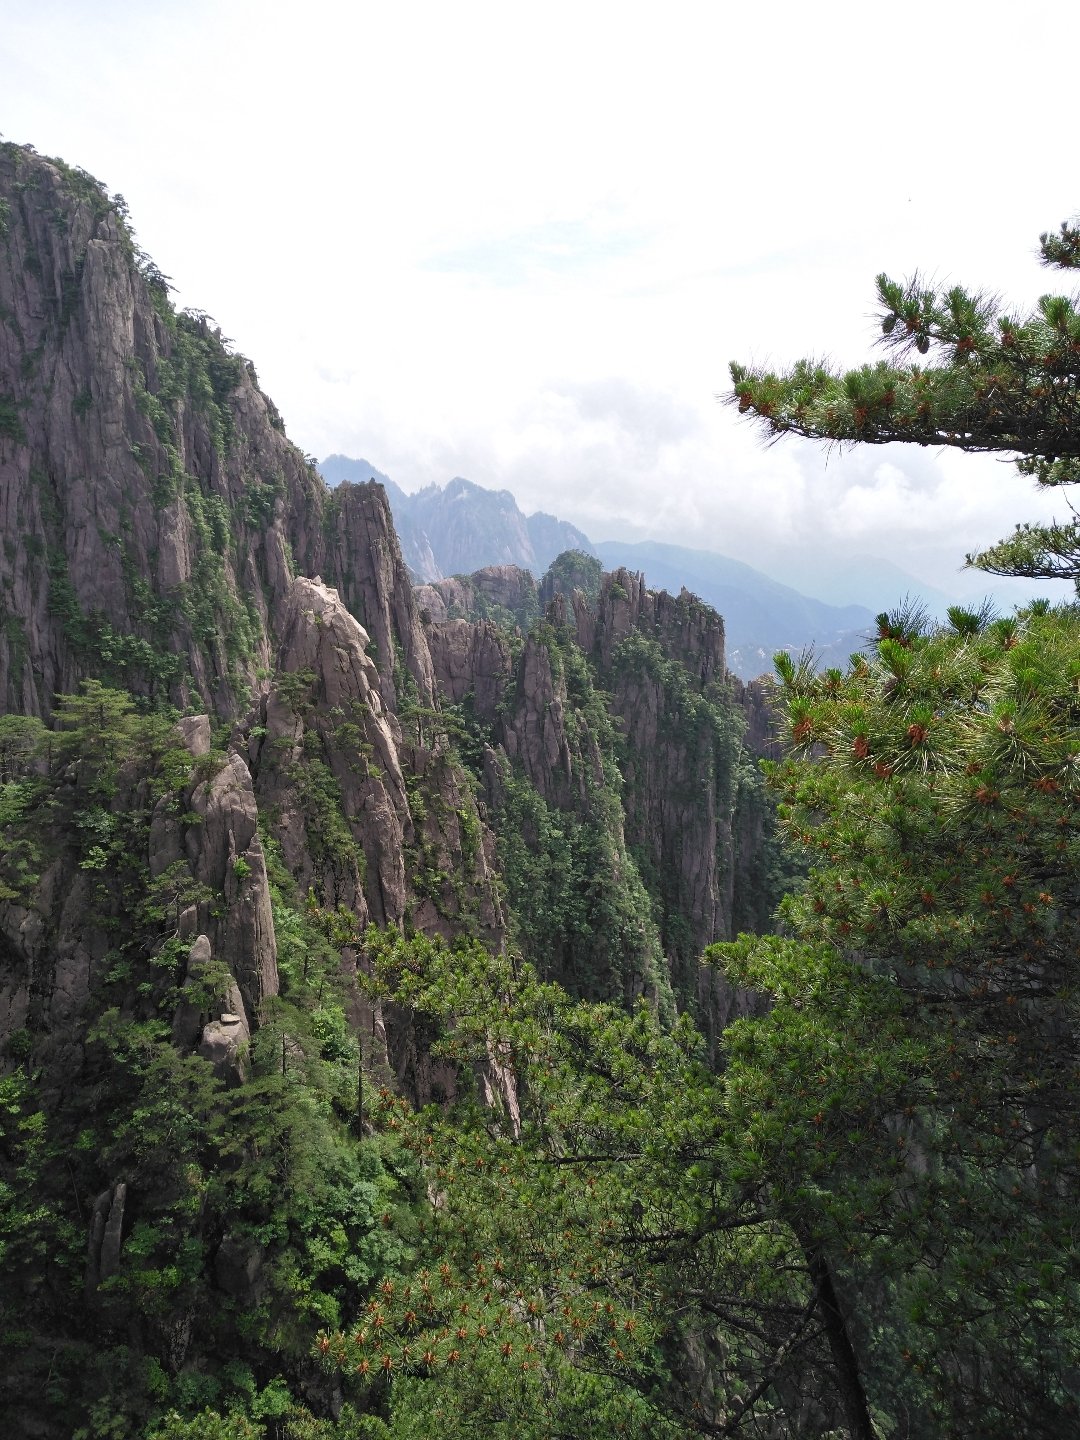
(155, 519)
(154, 511)
(141, 470)
(646, 716)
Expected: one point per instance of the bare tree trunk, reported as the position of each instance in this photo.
(851, 1393)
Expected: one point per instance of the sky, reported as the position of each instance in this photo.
(522, 243)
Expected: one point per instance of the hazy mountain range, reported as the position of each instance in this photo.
(462, 527)
(457, 528)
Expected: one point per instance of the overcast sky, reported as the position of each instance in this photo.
(521, 243)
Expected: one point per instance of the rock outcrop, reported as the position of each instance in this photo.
(171, 540)
(105, 1235)
(156, 519)
(155, 511)
(329, 738)
(185, 959)
(140, 471)
(690, 807)
(213, 854)
(358, 549)
(211, 1016)
(500, 592)
(471, 662)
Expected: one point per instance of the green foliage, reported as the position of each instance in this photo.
(574, 570)
(581, 912)
(432, 726)
(120, 658)
(256, 1213)
(25, 1219)
(331, 842)
(927, 1093)
(590, 1226)
(260, 499)
(294, 688)
(11, 425)
(198, 370)
(1002, 383)
(207, 1425)
(23, 745)
(220, 620)
(579, 908)
(99, 730)
(22, 739)
(522, 612)
(913, 1088)
(88, 190)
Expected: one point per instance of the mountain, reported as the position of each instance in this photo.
(238, 762)
(761, 616)
(461, 527)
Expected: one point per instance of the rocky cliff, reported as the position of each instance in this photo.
(505, 593)
(617, 713)
(154, 512)
(164, 536)
(458, 528)
(232, 738)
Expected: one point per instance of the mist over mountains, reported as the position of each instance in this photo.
(462, 527)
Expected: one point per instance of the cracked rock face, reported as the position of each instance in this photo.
(163, 534)
(219, 848)
(211, 1016)
(335, 720)
(360, 555)
(150, 520)
(683, 807)
(470, 661)
(224, 1043)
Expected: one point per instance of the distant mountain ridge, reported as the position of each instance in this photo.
(458, 528)
(761, 616)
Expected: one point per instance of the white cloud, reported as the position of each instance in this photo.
(522, 245)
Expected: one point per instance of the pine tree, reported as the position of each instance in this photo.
(1002, 384)
(863, 1224)
(923, 1047)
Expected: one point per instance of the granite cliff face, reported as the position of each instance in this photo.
(153, 510)
(618, 707)
(185, 903)
(141, 473)
(163, 536)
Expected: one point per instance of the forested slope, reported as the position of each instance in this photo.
(234, 752)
